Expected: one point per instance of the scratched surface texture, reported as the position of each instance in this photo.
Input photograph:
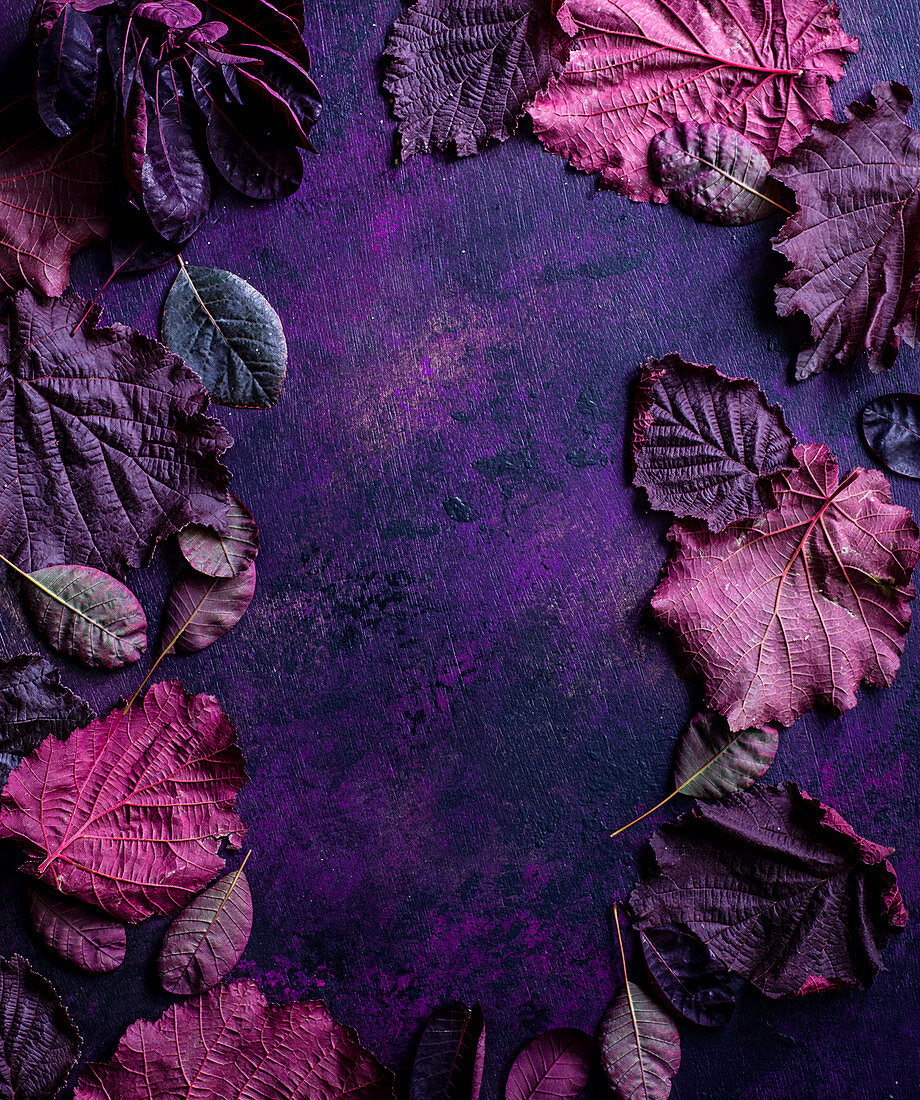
(447, 688)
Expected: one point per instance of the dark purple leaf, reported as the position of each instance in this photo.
(252, 164)
(200, 609)
(687, 977)
(222, 554)
(133, 246)
(68, 72)
(780, 889)
(555, 1066)
(891, 428)
(256, 22)
(134, 127)
(639, 1045)
(449, 1058)
(706, 445)
(79, 935)
(285, 89)
(178, 15)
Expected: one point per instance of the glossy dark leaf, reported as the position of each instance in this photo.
(68, 72)
(253, 164)
(201, 609)
(780, 889)
(554, 1066)
(714, 173)
(450, 1055)
(706, 445)
(77, 934)
(285, 89)
(104, 442)
(39, 1044)
(711, 761)
(639, 1045)
(891, 428)
(258, 22)
(207, 939)
(687, 977)
(224, 554)
(227, 332)
(86, 614)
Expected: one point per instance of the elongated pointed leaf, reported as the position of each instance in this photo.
(555, 1066)
(891, 428)
(68, 72)
(79, 935)
(224, 554)
(718, 762)
(227, 332)
(450, 1056)
(86, 614)
(207, 939)
(640, 1046)
(687, 977)
(202, 609)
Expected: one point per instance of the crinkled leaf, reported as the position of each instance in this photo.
(130, 813)
(715, 173)
(38, 1041)
(461, 74)
(86, 614)
(68, 72)
(449, 1060)
(891, 428)
(799, 606)
(780, 889)
(202, 609)
(79, 935)
(52, 198)
(228, 333)
(207, 939)
(222, 554)
(854, 240)
(231, 1043)
(639, 1045)
(104, 442)
(705, 445)
(555, 1066)
(711, 761)
(687, 977)
(761, 67)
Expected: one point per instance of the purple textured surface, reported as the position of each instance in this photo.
(447, 688)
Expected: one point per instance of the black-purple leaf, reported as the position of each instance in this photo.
(285, 89)
(68, 73)
(449, 1060)
(256, 166)
(891, 428)
(687, 977)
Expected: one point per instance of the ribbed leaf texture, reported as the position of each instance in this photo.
(554, 1066)
(718, 762)
(639, 1045)
(450, 1057)
(202, 609)
(222, 554)
(79, 935)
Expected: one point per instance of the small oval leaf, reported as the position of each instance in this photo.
(222, 555)
(86, 614)
(227, 332)
(202, 609)
(68, 73)
(450, 1055)
(891, 428)
(78, 934)
(687, 977)
(209, 936)
(639, 1045)
(713, 762)
(555, 1066)
(714, 173)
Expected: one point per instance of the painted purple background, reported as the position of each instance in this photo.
(447, 688)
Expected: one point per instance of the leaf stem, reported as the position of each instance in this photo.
(629, 1000)
(57, 597)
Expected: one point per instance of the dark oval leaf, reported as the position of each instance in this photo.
(79, 935)
(555, 1066)
(202, 609)
(86, 614)
(207, 939)
(687, 977)
(250, 162)
(891, 428)
(224, 554)
(711, 761)
(450, 1054)
(68, 72)
(639, 1045)
(227, 332)
(284, 88)
(715, 173)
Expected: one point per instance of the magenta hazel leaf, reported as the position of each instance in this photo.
(82, 936)
(449, 1059)
(222, 554)
(639, 1046)
(554, 1066)
(202, 609)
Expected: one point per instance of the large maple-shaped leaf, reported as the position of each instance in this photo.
(104, 442)
(854, 241)
(761, 67)
(779, 887)
(232, 1044)
(461, 73)
(799, 606)
(52, 198)
(130, 813)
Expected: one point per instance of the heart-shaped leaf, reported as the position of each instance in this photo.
(68, 72)
(227, 332)
(715, 173)
(555, 1066)
(224, 554)
(207, 939)
(639, 1045)
(687, 977)
(450, 1057)
(79, 935)
(176, 14)
(713, 762)
(202, 609)
(85, 614)
(891, 428)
